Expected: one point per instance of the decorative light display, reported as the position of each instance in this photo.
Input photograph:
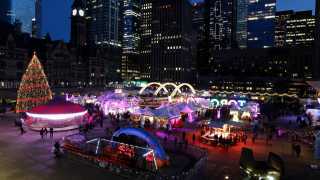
(177, 88)
(216, 103)
(34, 89)
(118, 103)
(57, 116)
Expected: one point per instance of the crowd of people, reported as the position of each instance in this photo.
(216, 137)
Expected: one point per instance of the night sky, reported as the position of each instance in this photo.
(56, 15)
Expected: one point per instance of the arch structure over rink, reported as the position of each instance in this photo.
(163, 86)
(151, 84)
(177, 88)
(147, 137)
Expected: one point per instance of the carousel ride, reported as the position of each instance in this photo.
(57, 114)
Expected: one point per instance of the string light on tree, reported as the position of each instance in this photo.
(34, 89)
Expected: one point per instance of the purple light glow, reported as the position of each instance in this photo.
(57, 117)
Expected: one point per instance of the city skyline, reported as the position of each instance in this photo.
(58, 26)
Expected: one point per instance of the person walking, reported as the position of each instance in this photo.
(193, 138)
(298, 150)
(175, 141)
(101, 122)
(183, 135)
(51, 132)
(293, 148)
(245, 137)
(253, 139)
(21, 130)
(45, 132)
(41, 133)
(186, 144)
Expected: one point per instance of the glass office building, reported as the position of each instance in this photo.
(131, 14)
(24, 11)
(241, 27)
(261, 23)
(102, 19)
(5, 11)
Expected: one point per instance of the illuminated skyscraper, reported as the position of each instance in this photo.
(199, 31)
(171, 41)
(102, 18)
(145, 32)
(131, 13)
(220, 23)
(198, 20)
(317, 42)
(295, 29)
(261, 23)
(280, 29)
(241, 26)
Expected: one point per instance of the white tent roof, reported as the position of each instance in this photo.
(167, 112)
(314, 84)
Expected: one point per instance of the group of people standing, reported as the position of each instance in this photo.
(44, 132)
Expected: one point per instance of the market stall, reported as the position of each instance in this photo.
(118, 103)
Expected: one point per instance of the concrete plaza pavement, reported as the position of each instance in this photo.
(28, 157)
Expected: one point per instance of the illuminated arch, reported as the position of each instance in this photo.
(178, 89)
(150, 84)
(147, 137)
(163, 86)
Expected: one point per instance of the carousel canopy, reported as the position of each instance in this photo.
(58, 106)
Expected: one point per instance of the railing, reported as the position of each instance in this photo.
(128, 172)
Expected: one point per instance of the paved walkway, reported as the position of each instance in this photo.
(223, 162)
(28, 157)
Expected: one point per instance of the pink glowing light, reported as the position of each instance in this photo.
(218, 114)
(57, 116)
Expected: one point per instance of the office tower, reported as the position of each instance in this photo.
(199, 35)
(24, 11)
(241, 23)
(34, 28)
(145, 33)
(220, 23)
(280, 27)
(261, 23)
(38, 18)
(300, 29)
(171, 41)
(102, 19)
(131, 13)
(198, 20)
(316, 63)
(5, 11)
(78, 24)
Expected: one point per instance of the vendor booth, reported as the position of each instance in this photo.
(224, 133)
(118, 103)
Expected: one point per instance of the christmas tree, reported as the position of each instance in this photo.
(34, 89)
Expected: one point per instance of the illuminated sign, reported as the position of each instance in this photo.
(118, 91)
(226, 102)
